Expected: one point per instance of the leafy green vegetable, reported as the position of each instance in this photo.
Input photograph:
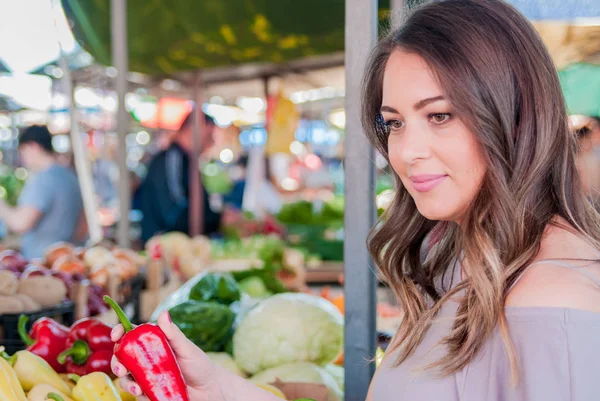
(266, 274)
(207, 324)
(255, 287)
(216, 287)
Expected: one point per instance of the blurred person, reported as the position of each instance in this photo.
(588, 163)
(165, 191)
(50, 207)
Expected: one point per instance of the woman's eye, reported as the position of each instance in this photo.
(439, 118)
(394, 125)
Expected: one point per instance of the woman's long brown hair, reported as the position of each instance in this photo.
(499, 76)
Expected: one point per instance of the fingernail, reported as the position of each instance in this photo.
(117, 369)
(133, 390)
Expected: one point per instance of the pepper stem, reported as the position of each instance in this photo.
(79, 352)
(10, 359)
(120, 314)
(54, 396)
(25, 337)
(74, 377)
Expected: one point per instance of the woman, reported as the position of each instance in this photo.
(491, 245)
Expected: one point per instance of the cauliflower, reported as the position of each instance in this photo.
(289, 327)
(225, 361)
(301, 372)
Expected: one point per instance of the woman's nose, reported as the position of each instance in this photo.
(413, 145)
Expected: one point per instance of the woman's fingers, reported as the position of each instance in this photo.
(118, 368)
(182, 347)
(130, 386)
(116, 333)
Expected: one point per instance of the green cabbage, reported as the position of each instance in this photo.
(288, 328)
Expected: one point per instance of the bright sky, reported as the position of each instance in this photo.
(28, 35)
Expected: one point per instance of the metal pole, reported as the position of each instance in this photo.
(82, 165)
(359, 279)
(397, 12)
(120, 58)
(196, 200)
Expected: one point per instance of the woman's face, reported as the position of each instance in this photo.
(437, 158)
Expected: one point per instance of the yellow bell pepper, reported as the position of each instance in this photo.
(41, 391)
(96, 386)
(125, 396)
(33, 370)
(66, 379)
(10, 388)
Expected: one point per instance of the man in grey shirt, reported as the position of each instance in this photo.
(50, 208)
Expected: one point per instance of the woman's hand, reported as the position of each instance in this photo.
(201, 376)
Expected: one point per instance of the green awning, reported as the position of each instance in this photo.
(167, 36)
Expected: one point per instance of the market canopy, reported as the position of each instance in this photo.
(166, 37)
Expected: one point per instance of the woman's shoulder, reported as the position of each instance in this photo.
(565, 274)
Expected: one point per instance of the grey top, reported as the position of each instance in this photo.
(558, 350)
(55, 193)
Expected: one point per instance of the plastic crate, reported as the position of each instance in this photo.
(63, 313)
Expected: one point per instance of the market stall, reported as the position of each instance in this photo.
(212, 286)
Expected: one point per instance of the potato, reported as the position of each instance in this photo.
(47, 291)
(29, 304)
(9, 283)
(10, 304)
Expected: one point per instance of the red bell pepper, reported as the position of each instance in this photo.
(145, 351)
(46, 339)
(88, 348)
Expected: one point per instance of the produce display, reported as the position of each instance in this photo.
(29, 286)
(262, 337)
(317, 227)
(265, 256)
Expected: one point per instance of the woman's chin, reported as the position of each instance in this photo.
(437, 213)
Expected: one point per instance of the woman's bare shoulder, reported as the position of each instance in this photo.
(565, 274)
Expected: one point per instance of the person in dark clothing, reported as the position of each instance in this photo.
(165, 190)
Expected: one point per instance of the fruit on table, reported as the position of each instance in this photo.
(12, 260)
(11, 304)
(88, 348)
(32, 370)
(29, 304)
(10, 387)
(41, 391)
(69, 264)
(46, 339)
(96, 255)
(48, 291)
(58, 251)
(9, 283)
(35, 270)
(125, 396)
(93, 387)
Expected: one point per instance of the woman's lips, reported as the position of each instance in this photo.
(426, 182)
